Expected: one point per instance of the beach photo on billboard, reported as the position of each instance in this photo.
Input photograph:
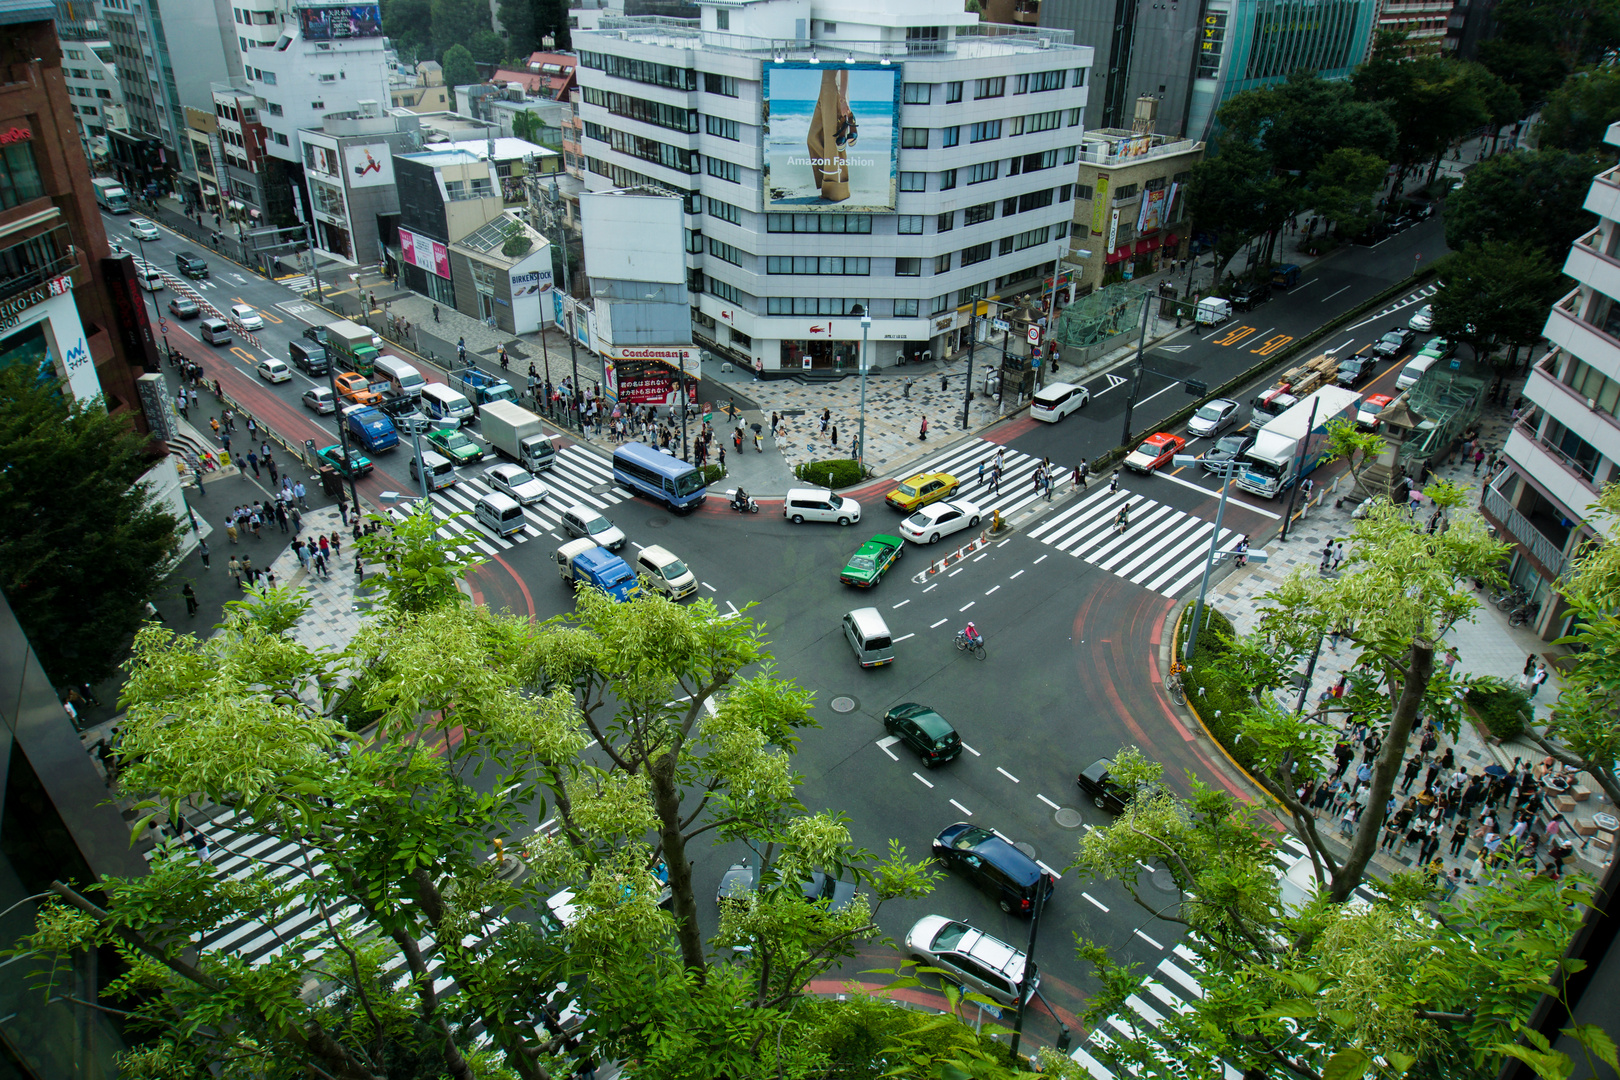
(832, 133)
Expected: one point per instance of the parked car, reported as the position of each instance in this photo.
(1249, 294)
(872, 560)
(929, 734)
(989, 860)
(930, 523)
(740, 880)
(182, 307)
(971, 958)
(1155, 452)
(1215, 417)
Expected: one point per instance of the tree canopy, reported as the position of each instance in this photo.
(459, 69)
(1537, 45)
(1533, 198)
(454, 24)
(1577, 115)
(84, 547)
(1496, 294)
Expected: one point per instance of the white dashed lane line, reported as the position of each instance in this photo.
(937, 625)
(901, 604)
(962, 808)
(1100, 905)
(1055, 875)
(711, 588)
(989, 591)
(1007, 774)
(1147, 939)
(1048, 802)
(1038, 561)
(898, 640)
(1016, 576)
(964, 607)
(970, 750)
(920, 776)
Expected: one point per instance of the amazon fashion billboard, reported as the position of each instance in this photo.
(832, 136)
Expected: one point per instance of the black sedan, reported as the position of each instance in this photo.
(1105, 792)
(1395, 342)
(1352, 369)
(1224, 450)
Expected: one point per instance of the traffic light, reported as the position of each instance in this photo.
(1196, 388)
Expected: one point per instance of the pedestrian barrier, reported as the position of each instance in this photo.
(954, 557)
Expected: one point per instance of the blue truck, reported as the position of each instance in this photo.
(371, 428)
(481, 387)
(583, 560)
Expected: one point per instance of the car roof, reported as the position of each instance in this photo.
(506, 469)
(1097, 769)
(657, 555)
(869, 620)
(1007, 858)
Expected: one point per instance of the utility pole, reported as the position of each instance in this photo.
(1029, 964)
(1299, 469)
(973, 344)
(1136, 384)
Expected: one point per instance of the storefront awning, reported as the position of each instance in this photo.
(1149, 244)
(208, 189)
(1119, 254)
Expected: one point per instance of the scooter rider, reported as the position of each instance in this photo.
(740, 502)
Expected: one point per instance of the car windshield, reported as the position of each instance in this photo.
(907, 489)
(1151, 449)
(674, 568)
(863, 562)
(970, 839)
(950, 935)
(456, 440)
(1392, 339)
(596, 525)
(690, 483)
(1209, 412)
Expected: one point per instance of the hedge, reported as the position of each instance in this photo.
(713, 474)
(1218, 699)
(1502, 707)
(844, 473)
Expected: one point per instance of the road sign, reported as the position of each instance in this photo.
(1034, 334)
(1000, 324)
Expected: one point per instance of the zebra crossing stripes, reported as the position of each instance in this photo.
(1163, 549)
(1017, 487)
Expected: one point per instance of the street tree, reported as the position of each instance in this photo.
(459, 69)
(1356, 448)
(1531, 198)
(1234, 195)
(1578, 114)
(1432, 100)
(428, 949)
(1344, 188)
(86, 546)
(1497, 294)
(488, 47)
(454, 22)
(1538, 45)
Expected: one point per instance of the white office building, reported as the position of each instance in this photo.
(891, 158)
(1566, 445)
(97, 99)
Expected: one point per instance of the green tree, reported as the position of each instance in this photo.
(1344, 188)
(488, 47)
(1578, 114)
(1356, 448)
(1533, 198)
(1497, 294)
(1234, 195)
(454, 23)
(517, 22)
(87, 546)
(459, 69)
(526, 125)
(1537, 44)
(1432, 100)
(409, 25)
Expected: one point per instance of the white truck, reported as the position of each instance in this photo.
(1289, 448)
(111, 196)
(517, 433)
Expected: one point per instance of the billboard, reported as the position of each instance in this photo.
(832, 136)
(530, 280)
(424, 252)
(651, 375)
(340, 21)
(1151, 216)
(368, 165)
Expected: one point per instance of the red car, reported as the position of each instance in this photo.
(1155, 452)
(1371, 406)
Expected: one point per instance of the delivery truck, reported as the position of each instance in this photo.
(583, 560)
(350, 345)
(517, 433)
(111, 196)
(1290, 447)
(371, 428)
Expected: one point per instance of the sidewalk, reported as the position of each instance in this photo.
(1485, 645)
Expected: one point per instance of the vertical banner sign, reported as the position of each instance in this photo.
(1099, 206)
(1113, 231)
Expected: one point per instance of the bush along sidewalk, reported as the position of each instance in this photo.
(1500, 708)
(1214, 691)
(838, 473)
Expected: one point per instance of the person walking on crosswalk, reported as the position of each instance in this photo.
(981, 474)
(1080, 472)
(1122, 520)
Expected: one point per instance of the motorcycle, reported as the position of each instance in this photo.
(744, 505)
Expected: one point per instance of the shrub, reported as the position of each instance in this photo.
(713, 474)
(844, 473)
(1502, 707)
(1218, 697)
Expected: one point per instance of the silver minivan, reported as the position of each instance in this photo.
(500, 515)
(440, 470)
(819, 504)
(403, 379)
(869, 636)
(214, 331)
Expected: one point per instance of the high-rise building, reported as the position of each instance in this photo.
(1193, 56)
(67, 309)
(167, 58)
(98, 99)
(1566, 445)
(893, 160)
(1422, 21)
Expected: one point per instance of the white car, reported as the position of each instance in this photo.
(151, 280)
(272, 370)
(581, 520)
(249, 318)
(319, 399)
(939, 519)
(142, 229)
(971, 957)
(1424, 320)
(518, 482)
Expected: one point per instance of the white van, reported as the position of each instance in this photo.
(440, 470)
(869, 636)
(1056, 400)
(403, 379)
(1213, 310)
(500, 515)
(667, 574)
(1414, 370)
(819, 504)
(442, 403)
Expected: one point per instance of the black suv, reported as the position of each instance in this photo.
(929, 734)
(1107, 793)
(1357, 366)
(317, 334)
(190, 264)
(991, 862)
(1247, 294)
(311, 359)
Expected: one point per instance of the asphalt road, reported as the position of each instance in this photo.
(1073, 615)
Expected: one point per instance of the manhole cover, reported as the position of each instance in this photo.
(1068, 817)
(843, 704)
(658, 523)
(1026, 848)
(600, 489)
(1313, 539)
(1162, 880)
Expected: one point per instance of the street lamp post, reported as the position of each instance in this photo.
(1136, 383)
(555, 206)
(866, 333)
(1227, 468)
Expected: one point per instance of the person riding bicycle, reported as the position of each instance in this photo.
(971, 632)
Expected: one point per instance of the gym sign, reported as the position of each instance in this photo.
(12, 308)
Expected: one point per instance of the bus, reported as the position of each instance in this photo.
(658, 476)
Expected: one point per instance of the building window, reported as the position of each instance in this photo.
(724, 290)
(725, 251)
(947, 179)
(985, 131)
(1083, 192)
(268, 78)
(983, 171)
(917, 93)
(1030, 163)
(724, 85)
(326, 78)
(975, 254)
(317, 104)
(725, 170)
(908, 224)
(913, 181)
(1046, 80)
(950, 136)
(953, 93)
(906, 309)
(914, 138)
(818, 223)
(725, 211)
(281, 140)
(1070, 155)
(939, 304)
(989, 88)
(671, 157)
(694, 242)
(1046, 121)
(923, 39)
(652, 112)
(942, 263)
(643, 71)
(1061, 230)
(945, 222)
(821, 265)
(812, 305)
(1034, 200)
(19, 176)
(1074, 117)
(829, 28)
(907, 267)
(275, 110)
(721, 127)
(722, 19)
(973, 215)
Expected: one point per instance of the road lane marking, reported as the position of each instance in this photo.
(1038, 561)
(981, 556)
(711, 588)
(1007, 774)
(883, 744)
(1047, 801)
(1100, 905)
(932, 587)
(1144, 866)
(1330, 296)
(900, 605)
(919, 776)
(937, 625)
(1016, 576)
(898, 640)
(958, 570)
(959, 806)
(992, 590)
(1055, 875)
(1005, 542)
(1139, 933)
(969, 604)
(970, 750)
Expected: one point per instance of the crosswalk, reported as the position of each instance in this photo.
(1162, 550)
(579, 477)
(1017, 487)
(298, 283)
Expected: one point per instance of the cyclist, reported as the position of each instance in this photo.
(971, 632)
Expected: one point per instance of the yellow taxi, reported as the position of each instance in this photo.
(922, 489)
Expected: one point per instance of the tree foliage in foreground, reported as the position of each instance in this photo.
(430, 956)
(84, 548)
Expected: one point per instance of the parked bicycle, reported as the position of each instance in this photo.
(1524, 613)
(1514, 598)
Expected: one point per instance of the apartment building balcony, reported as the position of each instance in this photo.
(1603, 197)
(1566, 480)
(1543, 549)
(37, 261)
(1587, 264)
(1570, 332)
